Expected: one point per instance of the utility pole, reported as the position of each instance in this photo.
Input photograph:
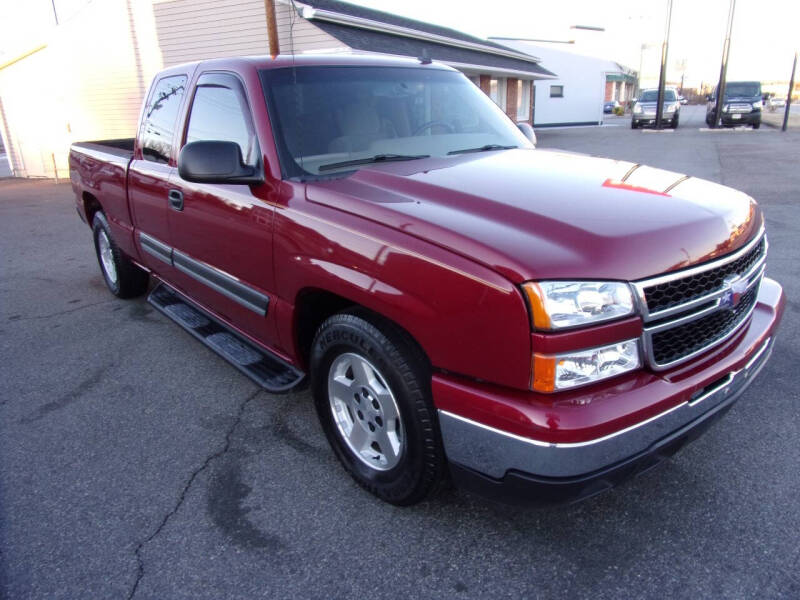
(662, 78)
(789, 95)
(723, 71)
(272, 28)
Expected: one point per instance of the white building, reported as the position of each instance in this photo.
(582, 85)
(85, 78)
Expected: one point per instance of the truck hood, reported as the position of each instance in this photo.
(536, 214)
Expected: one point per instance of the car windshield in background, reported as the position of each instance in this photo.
(742, 90)
(652, 96)
(332, 119)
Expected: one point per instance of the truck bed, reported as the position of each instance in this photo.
(122, 147)
(99, 169)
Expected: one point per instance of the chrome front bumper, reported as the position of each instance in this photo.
(493, 453)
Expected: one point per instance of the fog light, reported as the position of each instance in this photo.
(552, 373)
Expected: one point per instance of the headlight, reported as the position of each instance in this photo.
(758, 104)
(572, 369)
(560, 304)
(726, 108)
(672, 107)
(637, 109)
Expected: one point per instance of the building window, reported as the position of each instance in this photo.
(497, 92)
(523, 100)
(556, 91)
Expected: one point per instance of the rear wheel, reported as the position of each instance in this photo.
(371, 387)
(123, 278)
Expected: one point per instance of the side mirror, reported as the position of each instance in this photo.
(215, 162)
(528, 132)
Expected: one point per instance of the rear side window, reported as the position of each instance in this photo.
(220, 113)
(161, 112)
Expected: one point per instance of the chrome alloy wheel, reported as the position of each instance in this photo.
(107, 256)
(365, 411)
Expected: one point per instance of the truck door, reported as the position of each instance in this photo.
(222, 234)
(151, 169)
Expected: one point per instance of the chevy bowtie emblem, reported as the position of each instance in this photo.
(734, 287)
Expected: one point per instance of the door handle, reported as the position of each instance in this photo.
(176, 199)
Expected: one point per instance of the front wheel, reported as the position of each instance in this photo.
(371, 387)
(757, 124)
(122, 276)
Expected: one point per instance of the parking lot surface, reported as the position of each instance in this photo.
(134, 462)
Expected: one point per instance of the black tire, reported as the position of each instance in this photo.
(633, 124)
(127, 280)
(757, 124)
(674, 123)
(399, 364)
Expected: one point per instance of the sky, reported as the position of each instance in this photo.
(764, 38)
(765, 34)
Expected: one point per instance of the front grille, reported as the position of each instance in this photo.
(740, 108)
(686, 313)
(673, 344)
(680, 291)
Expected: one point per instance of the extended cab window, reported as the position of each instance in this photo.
(158, 123)
(220, 113)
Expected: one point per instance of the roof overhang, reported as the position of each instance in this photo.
(315, 14)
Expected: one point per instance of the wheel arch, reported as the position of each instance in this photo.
(91, 206)
(313, 306)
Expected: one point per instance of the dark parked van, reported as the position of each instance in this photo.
(742, 105)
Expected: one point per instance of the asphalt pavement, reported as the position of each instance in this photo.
(134, 462)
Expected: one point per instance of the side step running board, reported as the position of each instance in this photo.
(269, 371)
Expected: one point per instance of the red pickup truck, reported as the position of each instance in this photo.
(535, 324)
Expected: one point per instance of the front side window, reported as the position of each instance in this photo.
(219, 113)
(160, 114)
(322, 116)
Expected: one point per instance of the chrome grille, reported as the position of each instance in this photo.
(673, 344)
(689, 312)
(679, 291)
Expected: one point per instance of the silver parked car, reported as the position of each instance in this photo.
(644, 111)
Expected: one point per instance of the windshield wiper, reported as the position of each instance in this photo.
(485, 148)
(372, 159)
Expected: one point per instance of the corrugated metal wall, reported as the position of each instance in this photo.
(89, 80)
(87, 83)
(190, 30)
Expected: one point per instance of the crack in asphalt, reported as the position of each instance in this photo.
(72, 396)
(219, 453)
(56, 314)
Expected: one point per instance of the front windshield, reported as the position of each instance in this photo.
(323, 116)
(652, 96)
(742, 90)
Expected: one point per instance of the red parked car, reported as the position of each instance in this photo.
(539, 325)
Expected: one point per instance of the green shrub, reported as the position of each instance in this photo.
(619, 111)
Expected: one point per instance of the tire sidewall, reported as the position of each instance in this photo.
(345, 336)
(99, 223)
